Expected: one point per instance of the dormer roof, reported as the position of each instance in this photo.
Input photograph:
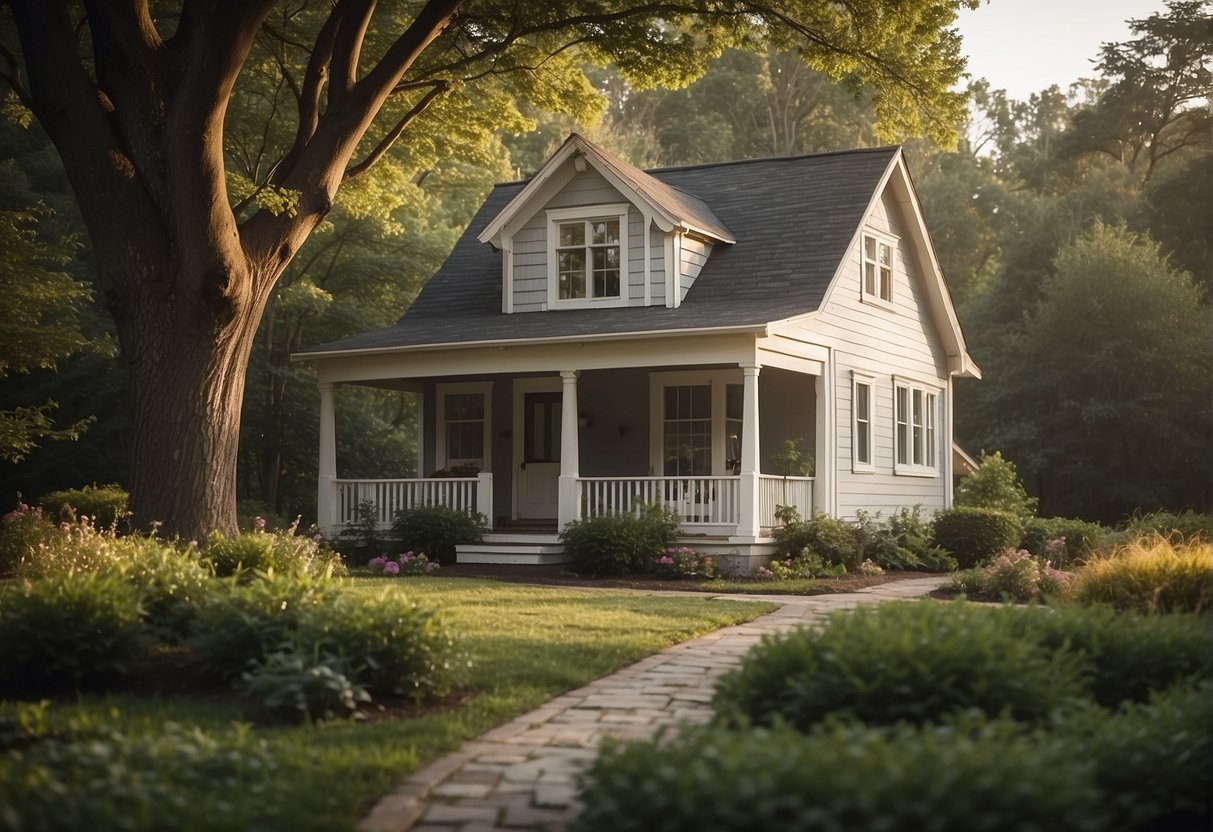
(668, 206)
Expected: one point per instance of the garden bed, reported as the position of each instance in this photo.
(559, 575)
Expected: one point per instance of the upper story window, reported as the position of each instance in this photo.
(587, 263)
(878, 255)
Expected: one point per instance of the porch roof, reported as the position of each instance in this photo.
(793, 217)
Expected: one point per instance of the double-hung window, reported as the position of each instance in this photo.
(861, 426)
(588, 256)
(877, 276)
(915, 435)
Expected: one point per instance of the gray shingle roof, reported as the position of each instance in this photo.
(793, 219)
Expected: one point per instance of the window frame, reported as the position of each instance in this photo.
(719, 381)
(880, 239)
(441, 391)
(859, 466)
(915, 428)
(586, 214)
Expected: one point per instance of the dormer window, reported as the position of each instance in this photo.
(588, 254)
(878, 269)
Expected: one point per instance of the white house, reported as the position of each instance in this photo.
(602, 337)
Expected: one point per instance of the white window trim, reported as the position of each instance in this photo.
(869, 467)
(441, 392)
(881, 238)
(719, 380)
(618, 211)
(930, 425)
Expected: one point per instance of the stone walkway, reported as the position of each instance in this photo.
(522, 775)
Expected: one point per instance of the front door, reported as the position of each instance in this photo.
(539, 474)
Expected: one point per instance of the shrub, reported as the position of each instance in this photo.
(1152, 760)
(1150, 575)
(437, 530)
(1188, 525)
(172, 583)
(808, 564)
(683, 562)
(995, 485)
(915, 662)
(290, 686)
(1080, 537)
(68, 548)
(390, 645)
(1127, 657)
(975, 535)
(239, 625)
(104, 505)
(842, 777)
(68, 631)
(1014, 576)
(407, 564)
(281, 551)
(83, 781)
(614, 544)
(21, 530)
(834, 540)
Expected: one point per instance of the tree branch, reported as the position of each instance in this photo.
(313, 84)
(347, 47)
(385, 144)
(13, 77)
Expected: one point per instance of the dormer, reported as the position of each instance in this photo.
(590, 231)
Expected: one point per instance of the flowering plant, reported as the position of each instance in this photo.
(375, 565)
(1017, 575)
(416, 564)
(869, 568)
(683, 562)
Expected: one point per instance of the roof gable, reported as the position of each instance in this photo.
(669, 207)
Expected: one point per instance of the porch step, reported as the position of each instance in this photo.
(513, 548)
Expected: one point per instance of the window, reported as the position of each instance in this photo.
(463, 423)
(877, 269)
(588, 256)
(861, 430)
(915, 419)
(687, 430)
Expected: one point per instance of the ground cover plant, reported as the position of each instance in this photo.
(118, 757)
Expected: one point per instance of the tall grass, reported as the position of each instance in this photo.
(1150, 574)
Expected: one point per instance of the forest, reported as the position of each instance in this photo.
(1073, 229)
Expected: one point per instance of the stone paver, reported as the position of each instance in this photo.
(522, 775)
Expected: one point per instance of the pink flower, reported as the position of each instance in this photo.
(430, 567)
(376, 565)
(406, 557)
(259, 522)
(391, 568)
(11, 516)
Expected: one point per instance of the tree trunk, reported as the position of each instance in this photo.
(187, 385)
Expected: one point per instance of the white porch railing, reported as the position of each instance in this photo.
(775, 490)
(468, 494)
(699, 501)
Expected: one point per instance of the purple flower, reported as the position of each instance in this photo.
(391, 568)
(406, 557)
(11, 516)
(430, 567)
(376, 565)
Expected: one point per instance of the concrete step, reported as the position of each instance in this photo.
(543, 549)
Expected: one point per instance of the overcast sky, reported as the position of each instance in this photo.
(1024, 46)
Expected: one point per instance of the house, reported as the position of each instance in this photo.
(603, 337)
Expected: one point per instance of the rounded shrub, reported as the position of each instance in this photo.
(171, 582)
(391, 645)
(615, 544)
(282, 551)
(68, 631)
(104, 505)
(1081, 539)
(975, 535)
(842, 777)
(917, 662)
(1150, 575)
(995, 484)
(239, 625)
(435, 531)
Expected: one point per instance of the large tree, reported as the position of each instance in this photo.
(135, 97)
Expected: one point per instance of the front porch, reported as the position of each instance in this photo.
(525, 447)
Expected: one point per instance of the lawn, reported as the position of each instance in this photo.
(523, 645)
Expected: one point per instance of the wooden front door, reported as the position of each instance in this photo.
(539, 474)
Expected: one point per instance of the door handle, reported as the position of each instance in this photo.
(522, 465)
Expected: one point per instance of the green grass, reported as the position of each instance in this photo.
(792, 586)
(525, 644)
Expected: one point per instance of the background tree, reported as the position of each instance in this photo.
(189, 250)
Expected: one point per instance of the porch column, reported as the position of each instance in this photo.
(326, 509)
(569, 459)
(750, 521)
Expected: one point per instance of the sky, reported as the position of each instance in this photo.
(1024, 46)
